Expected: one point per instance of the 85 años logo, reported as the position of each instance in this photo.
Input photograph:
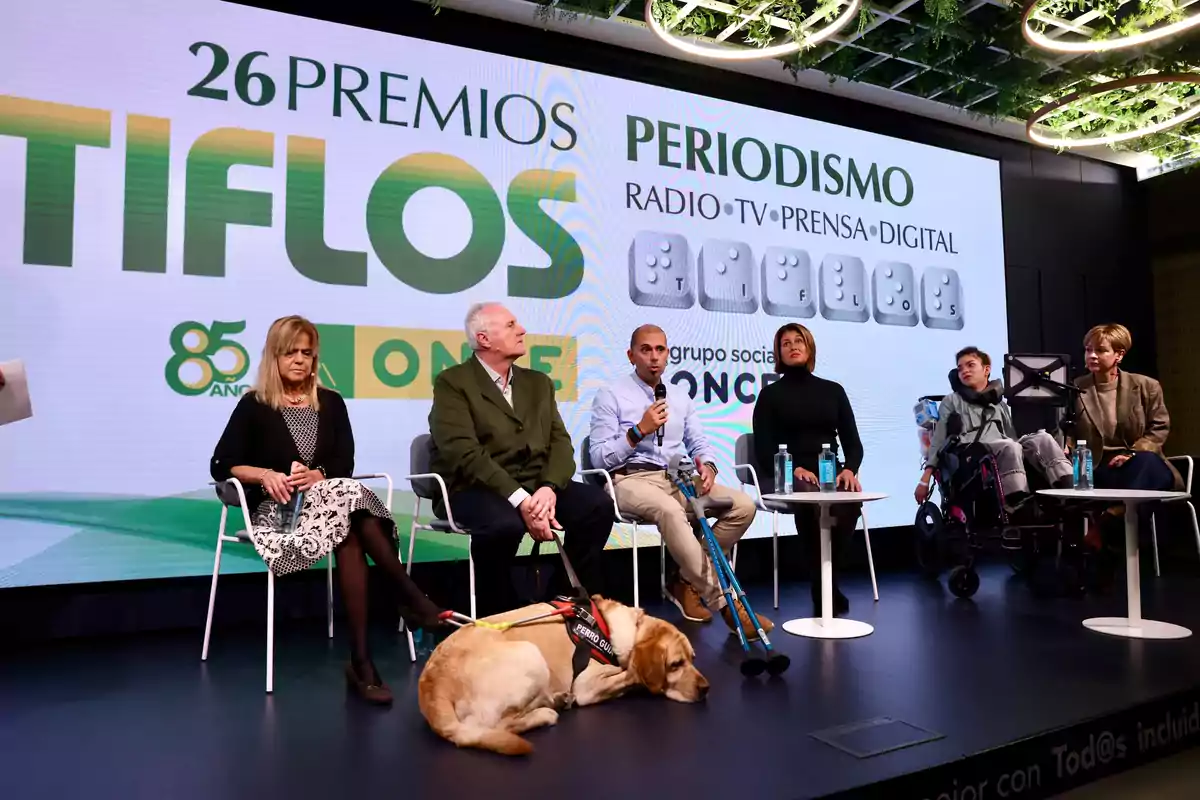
(198, 364)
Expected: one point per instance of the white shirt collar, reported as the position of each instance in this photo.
(495, 376)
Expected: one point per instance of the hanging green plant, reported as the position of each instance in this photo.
(569, 10)
(972, 56)
(943, 13)
(1125, 17)
(864, 17)
(753, 23)
(1094, 26)
(1120, 110)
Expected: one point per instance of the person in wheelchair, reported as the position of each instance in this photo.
(974, 414)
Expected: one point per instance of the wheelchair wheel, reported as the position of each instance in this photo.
(963, 581)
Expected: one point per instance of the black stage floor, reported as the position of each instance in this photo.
(142, 717)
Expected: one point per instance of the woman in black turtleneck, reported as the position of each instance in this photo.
(805, 412)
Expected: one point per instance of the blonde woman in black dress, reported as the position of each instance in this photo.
(291, 435)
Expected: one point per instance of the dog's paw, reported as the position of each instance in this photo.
(541, 717)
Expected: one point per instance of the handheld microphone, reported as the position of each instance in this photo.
(660, 393)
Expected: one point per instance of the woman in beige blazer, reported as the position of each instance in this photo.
(1122, 417)
(1124, 420)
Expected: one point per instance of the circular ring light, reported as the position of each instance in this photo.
(722, 53)
(1038, 39)
(1065, 143)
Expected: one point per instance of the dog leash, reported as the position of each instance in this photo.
(461, 620)
(586, 626)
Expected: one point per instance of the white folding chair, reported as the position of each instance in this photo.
(1186, 466)
(744, 456)
(600, 477)
(428, 485)
(233, 494)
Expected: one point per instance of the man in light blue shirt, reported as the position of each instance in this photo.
(624, 440)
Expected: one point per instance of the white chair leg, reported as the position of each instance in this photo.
(270, 631)
(212, 593)
(412, 539)
(1154, 541)
(471, 575)
(775, 554)
(637, 596)
(329, 593)
(1195, 525)
(870, 557)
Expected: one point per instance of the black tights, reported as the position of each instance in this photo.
(369, 536)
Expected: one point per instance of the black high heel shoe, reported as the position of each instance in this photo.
(432, 619)
(417, 610)
(373, 689)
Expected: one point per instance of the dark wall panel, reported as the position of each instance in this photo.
(1024, 309)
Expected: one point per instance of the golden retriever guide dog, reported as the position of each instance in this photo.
(483, 687)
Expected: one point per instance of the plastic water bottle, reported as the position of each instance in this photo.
(1083, 466)
(826, 470)
(283, 520)
(281, 517)
(783, 471)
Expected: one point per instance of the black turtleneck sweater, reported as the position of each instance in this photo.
(804, 412)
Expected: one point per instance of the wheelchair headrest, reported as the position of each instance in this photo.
(989, 396)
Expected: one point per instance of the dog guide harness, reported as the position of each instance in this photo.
(588, 632)
(585, 624)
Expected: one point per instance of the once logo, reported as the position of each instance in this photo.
(194, 344)
(403, 363)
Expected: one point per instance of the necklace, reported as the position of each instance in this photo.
(295, 401)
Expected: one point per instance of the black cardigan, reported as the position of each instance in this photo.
(804, 412)
(258, 436)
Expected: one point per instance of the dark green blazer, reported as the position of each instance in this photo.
(480, 441)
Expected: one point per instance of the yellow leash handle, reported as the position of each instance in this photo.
(496, 626)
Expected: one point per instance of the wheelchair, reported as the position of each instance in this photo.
(973, 518)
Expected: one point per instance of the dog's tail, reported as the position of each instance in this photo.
(438, 708)
(497, 740)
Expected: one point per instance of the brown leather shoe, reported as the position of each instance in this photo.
(749, 627)
(375, 693)
(688, 601)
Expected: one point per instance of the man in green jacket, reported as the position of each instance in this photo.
(507, 459)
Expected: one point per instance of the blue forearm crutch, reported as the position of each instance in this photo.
(775, 663)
